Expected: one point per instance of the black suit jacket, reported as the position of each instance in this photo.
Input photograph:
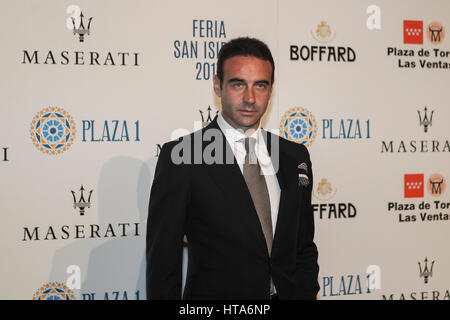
(228, 256)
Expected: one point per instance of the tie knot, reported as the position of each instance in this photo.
(249, 144)
(250, 157)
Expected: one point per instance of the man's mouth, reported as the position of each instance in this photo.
(245, 112)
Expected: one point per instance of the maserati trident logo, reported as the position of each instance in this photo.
(81, 30)
(208, 119)
(425, 122)
(425, 272)
(82, 204)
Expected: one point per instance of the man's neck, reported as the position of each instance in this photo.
(247, 131)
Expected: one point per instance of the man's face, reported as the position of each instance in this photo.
(245, 91)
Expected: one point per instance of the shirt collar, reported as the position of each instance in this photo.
(233, 135)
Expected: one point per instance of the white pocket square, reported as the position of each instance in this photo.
(303, 179)
(303, 166)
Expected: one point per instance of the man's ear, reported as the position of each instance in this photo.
(217, 88)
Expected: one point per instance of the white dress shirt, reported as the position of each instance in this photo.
(234, 137)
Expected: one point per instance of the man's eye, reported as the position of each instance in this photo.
(261, 85)
(237, 85)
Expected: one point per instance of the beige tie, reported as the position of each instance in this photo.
(256, 184)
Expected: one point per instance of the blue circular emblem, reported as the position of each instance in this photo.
(54, 291)
(299, 125)
(52, 130)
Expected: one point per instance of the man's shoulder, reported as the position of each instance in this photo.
(187, 139)
(183, 141)
(190, 148)
(291, 148)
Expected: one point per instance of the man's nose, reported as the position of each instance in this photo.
(249, 97)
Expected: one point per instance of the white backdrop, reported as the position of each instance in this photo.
(145, 69)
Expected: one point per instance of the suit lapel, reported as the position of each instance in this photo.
(229, 179)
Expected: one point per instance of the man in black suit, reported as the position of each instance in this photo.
(241, 195)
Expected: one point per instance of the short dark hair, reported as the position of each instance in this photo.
(244, 46)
